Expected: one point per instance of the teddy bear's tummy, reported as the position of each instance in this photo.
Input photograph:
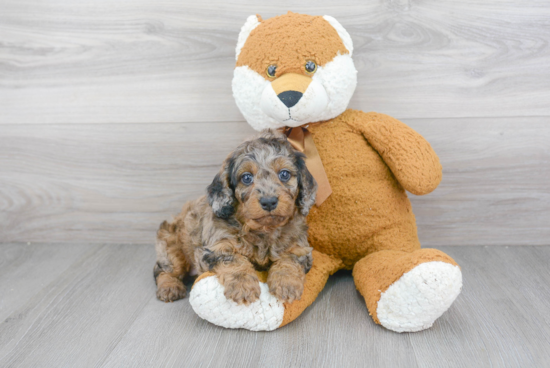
(366, 198)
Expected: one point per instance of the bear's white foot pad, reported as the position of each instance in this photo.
(419, 297)
(209, 302)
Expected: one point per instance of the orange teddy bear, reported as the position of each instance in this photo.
(295, 72)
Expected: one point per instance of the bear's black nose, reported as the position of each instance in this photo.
(290, 98)
(269, 203)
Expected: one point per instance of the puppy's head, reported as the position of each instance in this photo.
(293, 69)
(263, 183)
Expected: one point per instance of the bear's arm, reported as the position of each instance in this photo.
(408, 155)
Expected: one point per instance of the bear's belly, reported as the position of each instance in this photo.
(366, 198)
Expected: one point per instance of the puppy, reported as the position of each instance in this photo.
(252, 218)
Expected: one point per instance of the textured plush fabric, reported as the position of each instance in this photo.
(289, 42)
(374, 274)
(266, 314)
(419, 296)
(316, 278)
(299, 36)
(371, 160)
(369, 209)
(208, 301)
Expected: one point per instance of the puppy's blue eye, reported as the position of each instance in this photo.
(247, 178)
(284, 175)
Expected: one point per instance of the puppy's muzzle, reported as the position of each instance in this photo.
(269, 203)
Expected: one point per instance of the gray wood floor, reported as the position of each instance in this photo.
(83, 305)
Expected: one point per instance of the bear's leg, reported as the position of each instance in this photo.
(407, 292)
(406, 288)
(266, 314)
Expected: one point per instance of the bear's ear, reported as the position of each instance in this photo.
(344, 35)
(252, 22)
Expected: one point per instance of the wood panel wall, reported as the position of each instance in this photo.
(113, 113)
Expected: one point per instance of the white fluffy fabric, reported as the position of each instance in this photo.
(344, 35)
(248, 87)
(419, 297)
(327, 96)
(313, 101)
(339, 79)
(251, 23)
(209, 302)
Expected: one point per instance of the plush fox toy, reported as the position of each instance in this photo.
(295, 72)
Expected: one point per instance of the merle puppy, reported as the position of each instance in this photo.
(252, 218)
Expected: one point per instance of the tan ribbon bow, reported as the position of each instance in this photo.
(301, 139)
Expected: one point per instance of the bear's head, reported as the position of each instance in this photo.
(292, 70)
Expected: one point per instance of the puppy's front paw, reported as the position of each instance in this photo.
(286, 288)
(242, 288)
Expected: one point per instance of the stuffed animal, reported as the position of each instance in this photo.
(295, 72)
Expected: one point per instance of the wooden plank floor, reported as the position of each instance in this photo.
(84, 305)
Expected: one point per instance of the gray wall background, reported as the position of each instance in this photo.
(114, 113)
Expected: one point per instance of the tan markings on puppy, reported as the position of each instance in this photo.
(243, 225)
(239, 280)
(281, 163)
(286, 279)
(289, 41)
(264, 170)
(286, 276)
(172, 259)
(171, 264)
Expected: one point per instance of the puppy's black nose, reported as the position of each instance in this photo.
(269, 203)
(290, 98)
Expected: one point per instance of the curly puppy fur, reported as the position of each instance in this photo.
(233, 232)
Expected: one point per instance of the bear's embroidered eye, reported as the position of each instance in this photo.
(247, 178)
(271, 70)
(311, 67)
(284, 175)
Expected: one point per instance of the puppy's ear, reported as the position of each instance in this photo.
(307, 185)
(221, 195)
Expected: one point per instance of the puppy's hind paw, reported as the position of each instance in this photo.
(171, 292)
